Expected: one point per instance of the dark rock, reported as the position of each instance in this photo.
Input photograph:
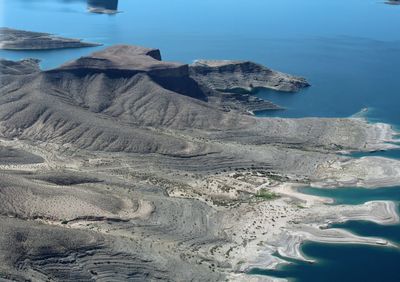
(103, 6)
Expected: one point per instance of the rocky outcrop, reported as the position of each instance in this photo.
(13, 39)
(123, 61)
(243, 76)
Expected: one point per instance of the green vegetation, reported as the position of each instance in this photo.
(266, 195)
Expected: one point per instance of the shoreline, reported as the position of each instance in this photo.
(380, 212)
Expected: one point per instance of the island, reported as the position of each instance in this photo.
(103, 6)
(121, 166)
(14, 39)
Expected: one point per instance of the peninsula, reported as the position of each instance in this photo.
(14, 39)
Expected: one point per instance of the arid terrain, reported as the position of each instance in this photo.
(119, 166)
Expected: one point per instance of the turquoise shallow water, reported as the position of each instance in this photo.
(393, 154)
(349, 50)
(355, 195)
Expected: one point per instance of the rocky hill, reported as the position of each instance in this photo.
(108, 100)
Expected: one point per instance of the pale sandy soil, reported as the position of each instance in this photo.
(212, 223)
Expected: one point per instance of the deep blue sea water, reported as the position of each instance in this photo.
(349, 50)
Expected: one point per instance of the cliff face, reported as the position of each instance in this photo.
(127, 61)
